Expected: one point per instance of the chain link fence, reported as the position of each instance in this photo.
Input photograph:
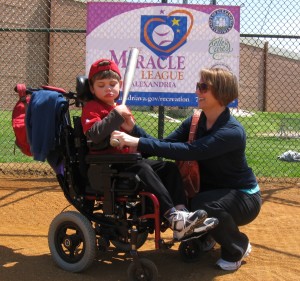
(43, 42)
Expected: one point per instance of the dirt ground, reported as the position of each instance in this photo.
(29, 204)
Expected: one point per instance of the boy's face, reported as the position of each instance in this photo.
(106, 90)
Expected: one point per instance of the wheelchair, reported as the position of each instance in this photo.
(112, 208)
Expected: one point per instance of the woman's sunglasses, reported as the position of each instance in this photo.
(202, 87)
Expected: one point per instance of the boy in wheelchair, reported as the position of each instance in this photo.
(101, 116)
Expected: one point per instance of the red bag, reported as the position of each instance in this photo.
(189, 170)
(18, 120)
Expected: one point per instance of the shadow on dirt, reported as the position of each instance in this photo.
(108, 266)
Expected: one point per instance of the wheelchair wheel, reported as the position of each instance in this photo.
(72, 241)
(125, 246)
(191, 250)
(149, 272)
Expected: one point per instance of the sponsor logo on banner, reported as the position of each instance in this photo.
(221, 21)
(165, 34)
(218, 47)
(221, 65)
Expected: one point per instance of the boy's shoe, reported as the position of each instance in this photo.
(228, 265)
(183, 223)
(202, 230)
(208, 224)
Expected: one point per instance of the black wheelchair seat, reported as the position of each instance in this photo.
(101, 177)
(101, 173)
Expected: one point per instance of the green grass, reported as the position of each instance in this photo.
(263, 143)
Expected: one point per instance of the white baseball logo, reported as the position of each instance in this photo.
(163, 35)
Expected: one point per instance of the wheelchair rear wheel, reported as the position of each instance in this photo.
(72, 241)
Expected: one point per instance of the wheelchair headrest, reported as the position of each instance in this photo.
(83, 89)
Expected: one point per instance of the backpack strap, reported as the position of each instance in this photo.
(21, 90)
(53, 88)
(194, 124)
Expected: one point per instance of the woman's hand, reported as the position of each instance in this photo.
(124, 139)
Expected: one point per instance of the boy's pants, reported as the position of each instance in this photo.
(162, 178)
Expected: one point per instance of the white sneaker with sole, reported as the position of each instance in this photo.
(183, 223)
(208, 224)
(228, 265)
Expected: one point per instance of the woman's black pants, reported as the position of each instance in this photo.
(232, 208)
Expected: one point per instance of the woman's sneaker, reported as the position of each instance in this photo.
(227, 265)
(183, 223)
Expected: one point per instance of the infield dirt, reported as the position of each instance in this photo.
(29, 204)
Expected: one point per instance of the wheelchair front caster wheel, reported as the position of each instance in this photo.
(147, 272)
(191, 250)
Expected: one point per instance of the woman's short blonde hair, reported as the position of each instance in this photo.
(223, 83)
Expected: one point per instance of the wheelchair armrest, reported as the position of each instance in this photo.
(129, 158)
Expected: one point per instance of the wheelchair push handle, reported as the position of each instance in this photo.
(23, 91)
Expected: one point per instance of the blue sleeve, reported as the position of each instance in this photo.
(181, 134)
(224, 140)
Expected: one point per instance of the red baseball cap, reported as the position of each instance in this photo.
(96, 67)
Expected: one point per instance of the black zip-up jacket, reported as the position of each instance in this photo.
(220, 151)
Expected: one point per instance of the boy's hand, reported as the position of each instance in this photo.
(128, 123)
(126, 114)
